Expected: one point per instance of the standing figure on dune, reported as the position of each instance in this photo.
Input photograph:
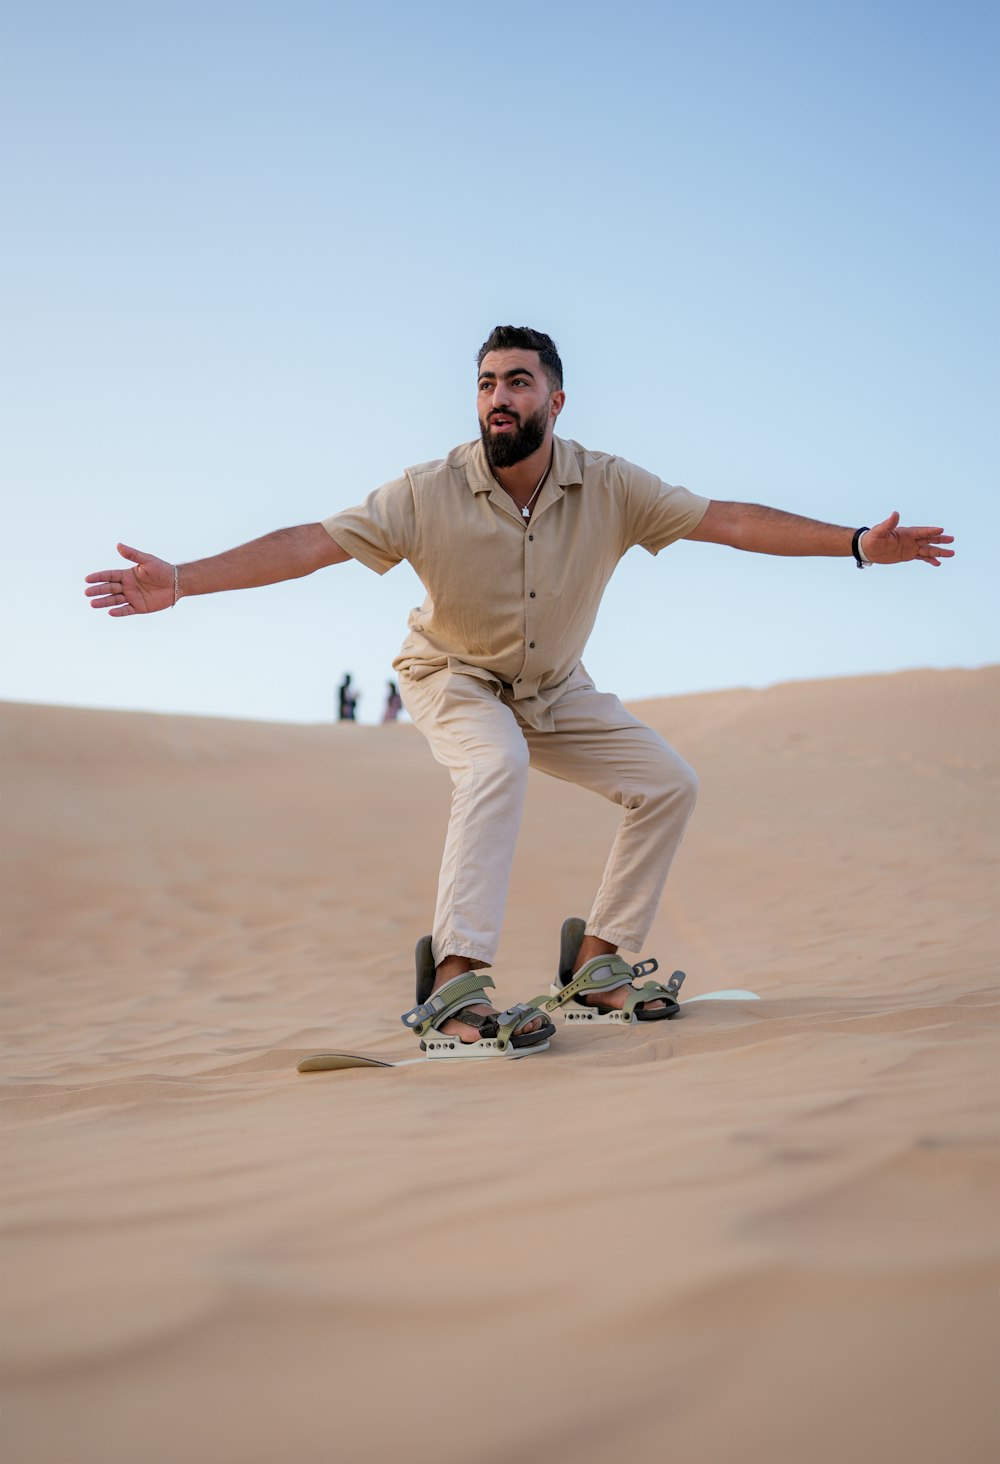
(515, 536)
(347, 700)
(393, 702)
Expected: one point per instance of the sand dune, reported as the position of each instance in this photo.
(763, 1232)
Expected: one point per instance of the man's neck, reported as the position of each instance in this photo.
(521, 480)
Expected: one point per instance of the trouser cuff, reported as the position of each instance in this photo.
(462, 948)
(625, 939)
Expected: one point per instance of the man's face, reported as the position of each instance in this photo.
(517, 406)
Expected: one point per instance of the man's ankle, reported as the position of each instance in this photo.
(592, 946)
(453, 966)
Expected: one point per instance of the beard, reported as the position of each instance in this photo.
(508, 448)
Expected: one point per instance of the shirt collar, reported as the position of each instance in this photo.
(565, 468)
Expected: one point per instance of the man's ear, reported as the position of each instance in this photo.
(557, 402)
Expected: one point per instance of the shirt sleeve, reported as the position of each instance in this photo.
(657, 513)
(380, 531)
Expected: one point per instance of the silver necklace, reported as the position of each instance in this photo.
(526, 507)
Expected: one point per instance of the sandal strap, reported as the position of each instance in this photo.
(461, 991)
(652, 991)
(516, 1017)
(491, 1024)
(603, 973)
(502, 1025)
(474, 1019)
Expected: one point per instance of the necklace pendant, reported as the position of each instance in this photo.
(526, 512)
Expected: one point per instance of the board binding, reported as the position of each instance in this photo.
(324, 1062)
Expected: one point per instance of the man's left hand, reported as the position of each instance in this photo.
(887, 543)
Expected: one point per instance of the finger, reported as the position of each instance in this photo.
(887, 525)
(106, 576)
(122, 610)
(137, 554)
(109, 599)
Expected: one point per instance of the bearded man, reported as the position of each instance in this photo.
(515, 537)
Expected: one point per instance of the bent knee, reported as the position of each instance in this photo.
(680, 786)
(670, 783)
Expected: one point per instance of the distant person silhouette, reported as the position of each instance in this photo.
(347, 700)
(393, 703)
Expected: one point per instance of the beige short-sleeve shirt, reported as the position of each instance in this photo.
(508, 599)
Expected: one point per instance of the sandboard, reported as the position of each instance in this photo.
(734, 995)
(324, 1062)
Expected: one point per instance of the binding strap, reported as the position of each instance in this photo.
(449, 999)
(590, 978)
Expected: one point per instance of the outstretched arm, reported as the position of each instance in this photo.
(772, 531)
(150, 584)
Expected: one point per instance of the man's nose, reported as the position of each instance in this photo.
(501, 395)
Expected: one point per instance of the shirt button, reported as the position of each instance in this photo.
(531, 645)
(531, 594)
(531, 536)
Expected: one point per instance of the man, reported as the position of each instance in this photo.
(515, 537)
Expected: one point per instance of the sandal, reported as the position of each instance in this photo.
(607, 973)
(500, 1033)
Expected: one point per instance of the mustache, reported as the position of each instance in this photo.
(513, 416)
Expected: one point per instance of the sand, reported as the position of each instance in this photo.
(763, 1232)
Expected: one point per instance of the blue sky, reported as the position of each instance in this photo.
(252, 250)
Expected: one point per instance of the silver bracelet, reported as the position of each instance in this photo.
(177, 592)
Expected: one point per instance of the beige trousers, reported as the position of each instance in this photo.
(596, 743)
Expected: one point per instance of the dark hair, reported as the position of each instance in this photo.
(523, 338)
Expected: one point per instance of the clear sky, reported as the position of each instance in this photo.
(252, 249)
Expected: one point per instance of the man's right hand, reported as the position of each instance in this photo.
(135, 589)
